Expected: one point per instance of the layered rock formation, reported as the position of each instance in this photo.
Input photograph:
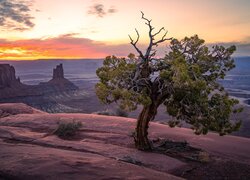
(58, 82)
(58, 72)
(11, 87)
(8, 76)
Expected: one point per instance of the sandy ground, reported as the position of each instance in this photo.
(104, 149)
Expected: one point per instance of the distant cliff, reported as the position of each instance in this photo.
(58, 82)
(11, 87)
(58, 72)
(8, 76)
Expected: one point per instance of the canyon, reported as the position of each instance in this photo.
(41, 95)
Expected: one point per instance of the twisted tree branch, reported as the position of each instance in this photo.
(135, 42)
(149, 54)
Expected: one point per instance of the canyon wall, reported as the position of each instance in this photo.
(8, 76)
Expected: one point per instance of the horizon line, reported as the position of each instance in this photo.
(65, 59)
(48, 59)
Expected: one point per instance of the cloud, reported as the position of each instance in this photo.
(99, 10)
(63, 46)
(112, 10)
(15, 15)
(72, 46)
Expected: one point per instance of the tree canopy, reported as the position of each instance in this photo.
(185, 81)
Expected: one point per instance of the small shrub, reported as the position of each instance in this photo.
(131, 160)
(106, 113)
(67, 129)
(204, 156)
(121, 112)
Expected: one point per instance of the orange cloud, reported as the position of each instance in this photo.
(64, 46)
(69, 47)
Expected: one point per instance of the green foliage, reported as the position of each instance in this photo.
(116, 83)
(197, 97)
(185, 81)
(105, 113)
(121, 113)
(67, 129)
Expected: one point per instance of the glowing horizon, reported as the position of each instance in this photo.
(94, 28)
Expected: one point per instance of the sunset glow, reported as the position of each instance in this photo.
(76, 29)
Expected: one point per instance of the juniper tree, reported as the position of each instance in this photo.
(185, 81)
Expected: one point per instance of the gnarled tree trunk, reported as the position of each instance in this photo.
(141, 135)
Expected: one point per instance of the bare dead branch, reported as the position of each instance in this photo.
(151, 37)
(148, 22)
(137, 39)
(162, 29)
(150, 52)
(162, 39)
(135, 42)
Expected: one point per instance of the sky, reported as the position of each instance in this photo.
(45, 29)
